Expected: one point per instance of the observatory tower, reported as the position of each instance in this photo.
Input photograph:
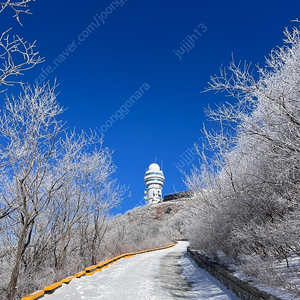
(154, 179)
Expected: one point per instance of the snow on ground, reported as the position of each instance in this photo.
(289, 277)
(205, 286)
(139, 277)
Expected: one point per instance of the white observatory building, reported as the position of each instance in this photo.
(154, 179)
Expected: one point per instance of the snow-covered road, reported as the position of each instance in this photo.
(152, 275)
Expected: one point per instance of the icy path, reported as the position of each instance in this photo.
(148, 276)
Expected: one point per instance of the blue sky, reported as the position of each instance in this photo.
(103, 52)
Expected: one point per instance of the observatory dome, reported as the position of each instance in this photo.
(154, 167)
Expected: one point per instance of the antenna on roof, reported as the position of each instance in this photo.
(162, 165)
(155, 159)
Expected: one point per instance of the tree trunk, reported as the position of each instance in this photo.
(15, 272)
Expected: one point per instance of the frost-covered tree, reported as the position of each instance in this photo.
(248, 188)
(16, 54)
(49, 184)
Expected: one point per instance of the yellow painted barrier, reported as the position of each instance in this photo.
(50, 289)
(99, 266)
(109, 262)
(34, 296)
(67, 280)
(90, 270)
(80, 274)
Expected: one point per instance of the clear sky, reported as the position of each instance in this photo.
(103, 52)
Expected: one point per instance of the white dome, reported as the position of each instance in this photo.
(154, 167)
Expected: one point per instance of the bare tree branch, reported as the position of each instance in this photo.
(17, 56)
(17, 6)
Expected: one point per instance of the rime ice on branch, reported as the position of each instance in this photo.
(16, 54)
